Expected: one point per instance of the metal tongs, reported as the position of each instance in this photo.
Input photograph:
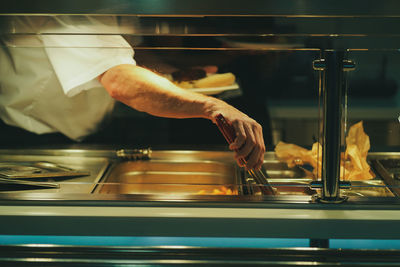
(259, 177)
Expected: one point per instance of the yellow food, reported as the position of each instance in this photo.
(185, 84)
(354, 165)
(211, 80)
(218, 191)
(215, 80)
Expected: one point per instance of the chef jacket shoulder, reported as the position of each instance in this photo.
(79, 48)
(79, 59)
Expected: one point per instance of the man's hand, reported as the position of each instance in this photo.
(249, 144)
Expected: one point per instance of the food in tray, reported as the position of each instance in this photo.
(201, 77)
(354, 165)
(223, 190)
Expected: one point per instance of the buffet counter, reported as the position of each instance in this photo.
(182, 195)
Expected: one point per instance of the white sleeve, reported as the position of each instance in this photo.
(79, 59)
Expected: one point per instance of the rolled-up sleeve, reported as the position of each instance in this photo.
(79, 59)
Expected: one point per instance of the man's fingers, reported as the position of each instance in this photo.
(240, 136)
(248, 144)
(245, 152)
(253, 149)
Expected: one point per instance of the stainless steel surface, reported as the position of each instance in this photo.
(37, 169)
(284, 180)
(92, 167)
(212, 173)
(165, 177)
(260, 176)
(388, 168)
(178, 172)
(7, 184)
(199, 172)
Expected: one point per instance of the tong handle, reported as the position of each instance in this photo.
(226, 129)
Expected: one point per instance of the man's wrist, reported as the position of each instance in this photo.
(212, 107)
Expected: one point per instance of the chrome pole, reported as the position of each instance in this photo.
(334, 66)
(332, 130)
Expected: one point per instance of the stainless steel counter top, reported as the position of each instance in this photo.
(96, 166)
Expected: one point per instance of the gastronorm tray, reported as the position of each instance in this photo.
(39, 169)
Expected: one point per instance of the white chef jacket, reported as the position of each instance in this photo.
(48, 82)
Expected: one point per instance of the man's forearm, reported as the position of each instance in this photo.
(146, 91)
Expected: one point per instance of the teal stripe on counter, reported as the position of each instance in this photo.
(194, 242)
(364, 244)
(154, 241)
